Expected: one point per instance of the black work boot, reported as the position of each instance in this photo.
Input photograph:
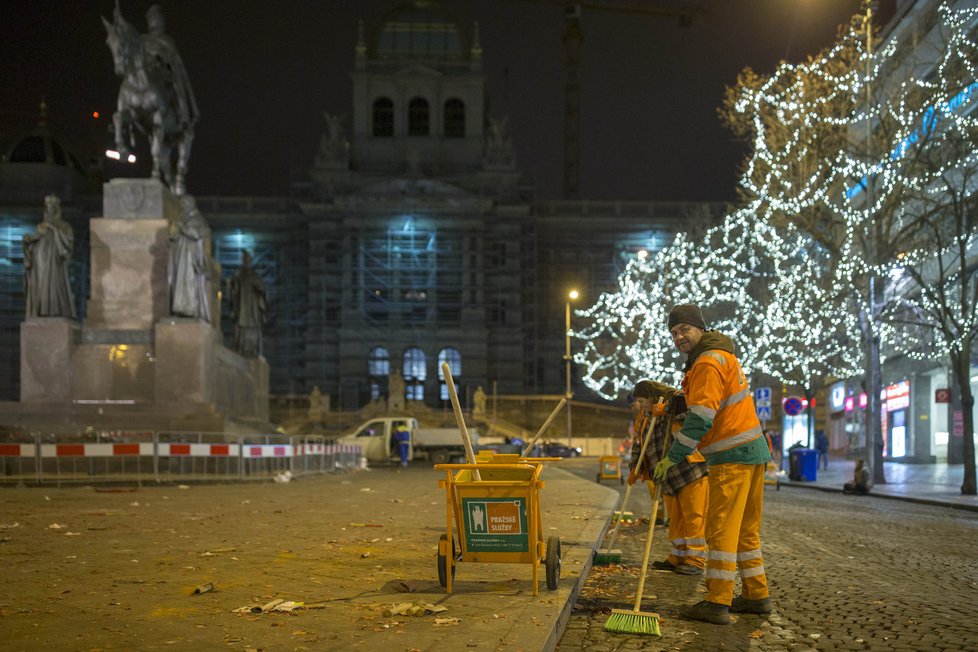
(663, 565)
(708, 612)
(688, 569)
(742, 605)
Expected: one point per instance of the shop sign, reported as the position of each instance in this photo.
(897, 396)
(837, 397)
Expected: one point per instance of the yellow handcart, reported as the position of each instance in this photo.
(609, 468)
(497, 517)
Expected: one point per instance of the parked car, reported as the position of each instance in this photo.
(553, 449)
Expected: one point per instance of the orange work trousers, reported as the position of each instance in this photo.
(733, 526)
(662, 513)
(687, 523)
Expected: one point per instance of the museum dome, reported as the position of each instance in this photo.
(420, 29)
(39, 146)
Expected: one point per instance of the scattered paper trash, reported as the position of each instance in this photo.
(55, 526)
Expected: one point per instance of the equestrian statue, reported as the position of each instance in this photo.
(155, 96)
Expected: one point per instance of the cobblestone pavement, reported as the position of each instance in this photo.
(845, 573)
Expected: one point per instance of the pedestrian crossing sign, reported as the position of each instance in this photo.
(764, 413)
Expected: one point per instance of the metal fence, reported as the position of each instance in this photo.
(137, 456)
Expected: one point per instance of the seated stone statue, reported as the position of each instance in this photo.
(47, 255)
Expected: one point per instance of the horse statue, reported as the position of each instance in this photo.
(155, 96)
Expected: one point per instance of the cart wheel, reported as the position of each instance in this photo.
(442, 578)
(553, 562)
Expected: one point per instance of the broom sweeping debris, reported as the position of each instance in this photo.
(623, 621)
(636, 621)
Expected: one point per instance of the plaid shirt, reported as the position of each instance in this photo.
(680, 474)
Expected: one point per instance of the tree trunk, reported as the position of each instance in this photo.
(874, 434)
(961, 363)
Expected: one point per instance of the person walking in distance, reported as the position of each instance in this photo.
(402, 435)
(721, 423)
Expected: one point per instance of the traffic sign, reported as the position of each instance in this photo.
(793, 406)
(763, 394)
(762, 403)
(763, 412)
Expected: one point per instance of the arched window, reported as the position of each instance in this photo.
(378, 371)
(454, 360)
(418, 122)
(454, 118)
(414, 373)
(383, 117)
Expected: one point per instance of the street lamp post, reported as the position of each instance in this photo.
(573, 294)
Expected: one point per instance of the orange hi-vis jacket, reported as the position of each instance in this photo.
(722, 421)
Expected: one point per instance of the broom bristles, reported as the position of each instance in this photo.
(633, 622)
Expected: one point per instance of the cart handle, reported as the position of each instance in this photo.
(488, 467)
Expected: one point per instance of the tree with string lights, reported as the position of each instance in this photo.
(841, 150)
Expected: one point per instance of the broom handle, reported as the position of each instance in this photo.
(648, 550)
(466, 441)
(648, 541)
(628, 492)
(544, 427)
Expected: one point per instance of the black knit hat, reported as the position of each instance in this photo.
(686, 313)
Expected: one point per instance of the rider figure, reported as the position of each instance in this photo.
(163, 56)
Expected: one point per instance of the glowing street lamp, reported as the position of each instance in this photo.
(572, 295)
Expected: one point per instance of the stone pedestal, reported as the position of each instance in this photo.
(185, 361)
(129, 250)
(138, 199)
(132, 362)
(46, 346)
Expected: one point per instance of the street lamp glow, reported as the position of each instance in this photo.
(573, 294)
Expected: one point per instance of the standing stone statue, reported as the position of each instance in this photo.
(155, 96)
(47, 254)
(188, 264)
(248, 307)
(479, 404)
(315, 413)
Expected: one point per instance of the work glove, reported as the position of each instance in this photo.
(659, 475)
(631, 477)
(658, 409)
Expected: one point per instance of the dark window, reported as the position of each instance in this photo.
(383, 117)
(454, 118)
(418, 119)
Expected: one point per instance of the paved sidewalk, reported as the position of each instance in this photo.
(115, 568)
(933, 484)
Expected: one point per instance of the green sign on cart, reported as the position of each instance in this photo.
(495, 524)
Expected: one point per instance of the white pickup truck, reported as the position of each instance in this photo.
(438, 445)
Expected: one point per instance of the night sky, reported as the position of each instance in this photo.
(263, 73)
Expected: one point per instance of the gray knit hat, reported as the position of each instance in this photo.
(686, 313)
